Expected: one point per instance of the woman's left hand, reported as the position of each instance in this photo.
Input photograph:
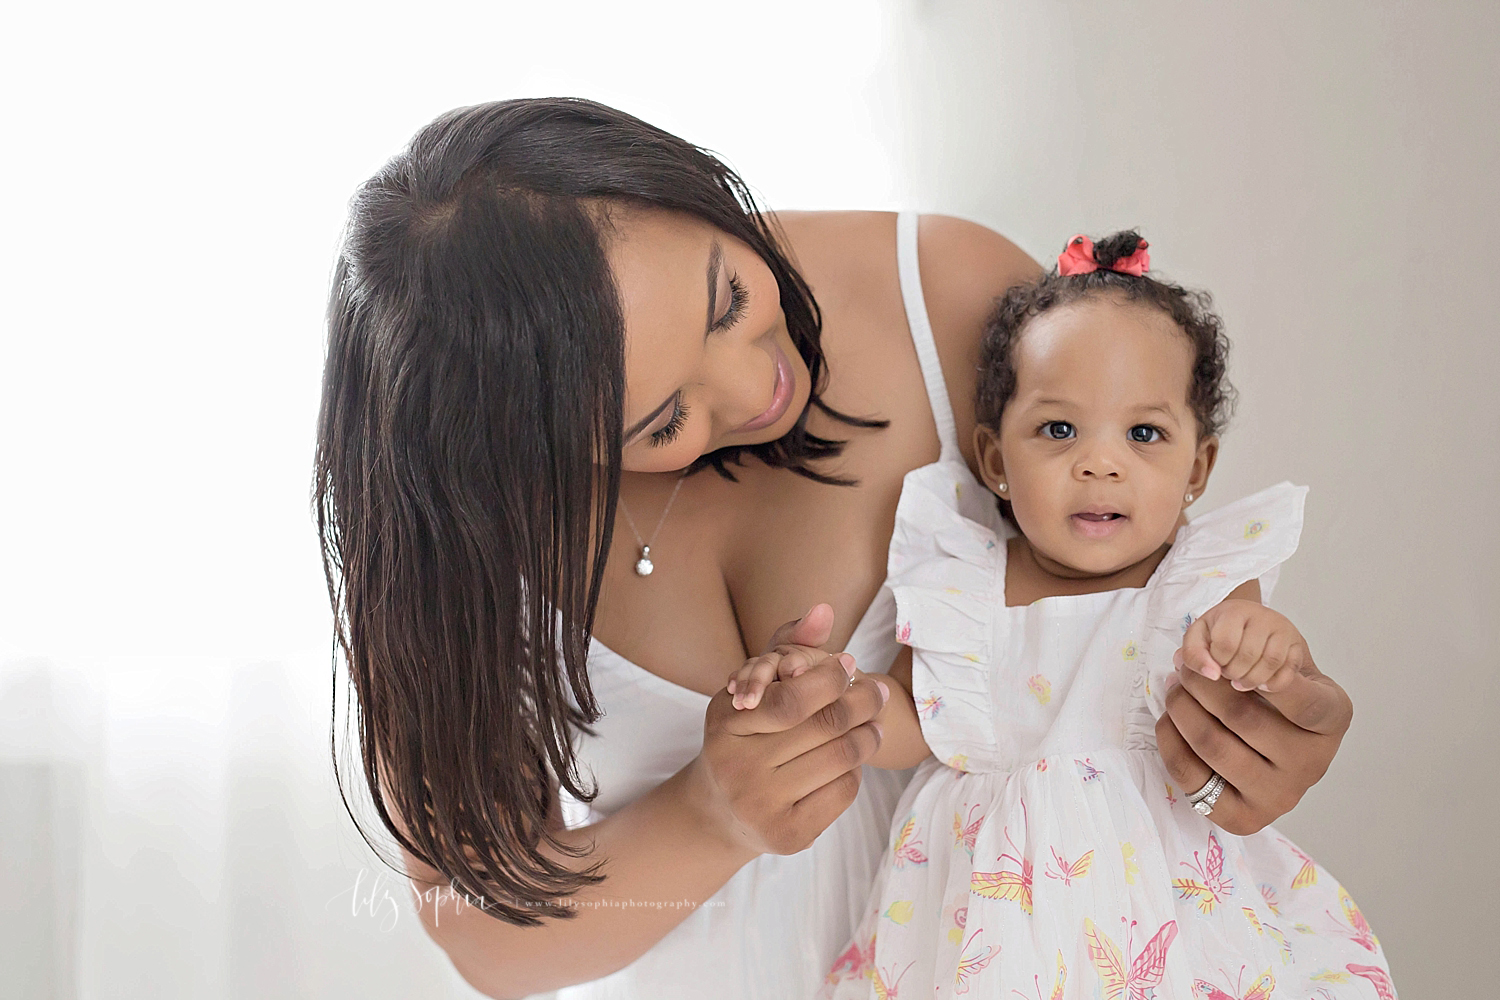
(1271, 747)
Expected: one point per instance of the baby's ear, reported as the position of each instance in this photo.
(1203, 466)
(987, 457)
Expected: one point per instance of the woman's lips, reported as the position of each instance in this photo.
(1097, 525)
(781, 395)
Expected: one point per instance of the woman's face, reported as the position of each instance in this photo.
(708, 360)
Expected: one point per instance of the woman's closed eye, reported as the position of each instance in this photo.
(735, 308)
(673, 426)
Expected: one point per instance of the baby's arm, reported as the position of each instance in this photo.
(1244, 641)
(901, 743)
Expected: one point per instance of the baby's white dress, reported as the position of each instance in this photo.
(1045, 851)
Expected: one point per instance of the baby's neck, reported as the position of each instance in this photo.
(1028, 579)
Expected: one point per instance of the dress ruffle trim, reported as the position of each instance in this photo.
(1212, 555)
(946, 570)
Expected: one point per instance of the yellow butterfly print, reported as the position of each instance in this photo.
(884, 991)
(1268, 893)
(1260, 991)
(972, 963)
(1041, 688)
(901, 911)
(966, 833)
(1171, 799)
(1058, 982)
(1213, 888)
(1254, 920)
(959, 762)
(1256, 528)
(1361, 934)
(1129, 651)
(1286, 946)
(928, 706)
(1127, 854)
(908, 849)
(1005, 884)
(1308, 874)
(1067, 870)
(1329, 976)
(1140, 980)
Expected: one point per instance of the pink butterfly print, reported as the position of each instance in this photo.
(1361, 934)
(1005, 884)
(907, 845)
(1069, 870)
(1261, 990)
(884, 990)
(903, 632)
(972, 963)
(1213, 888)
(1140, 980)
(1384, 988)
(966, 834)
(1268, 893)
(929, 706)
(1087, 770)
(1308, 874)
(855, 963)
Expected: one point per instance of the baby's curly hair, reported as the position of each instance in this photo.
(1210, 395)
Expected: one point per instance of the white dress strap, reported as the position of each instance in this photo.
(921, 333)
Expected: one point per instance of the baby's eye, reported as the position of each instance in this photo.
(1144, 434)
(1058, 430)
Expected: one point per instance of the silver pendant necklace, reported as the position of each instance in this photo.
(644, 566)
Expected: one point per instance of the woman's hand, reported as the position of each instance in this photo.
(772, 778)
(1271, 747)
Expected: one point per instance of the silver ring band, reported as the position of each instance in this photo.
(1204, 799)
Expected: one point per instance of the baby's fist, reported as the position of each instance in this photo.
(1245, 642)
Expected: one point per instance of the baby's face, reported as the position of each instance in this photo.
(1099, 446)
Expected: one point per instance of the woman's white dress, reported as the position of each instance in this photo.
(1044, 851)
(771, 932)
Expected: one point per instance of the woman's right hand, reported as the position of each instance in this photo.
(771, 778)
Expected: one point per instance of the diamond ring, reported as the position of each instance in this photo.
(1203, 799)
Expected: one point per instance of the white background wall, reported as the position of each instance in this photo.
(1328, 171)
(176, 176)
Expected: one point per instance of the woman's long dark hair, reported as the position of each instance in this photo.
(474, 378)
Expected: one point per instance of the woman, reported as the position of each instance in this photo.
(544, 312)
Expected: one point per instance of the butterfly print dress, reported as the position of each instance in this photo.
(1044, 851)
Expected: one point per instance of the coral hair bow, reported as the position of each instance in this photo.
(1078, 258)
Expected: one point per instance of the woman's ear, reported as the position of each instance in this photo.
(1203, 465)
(991, 465)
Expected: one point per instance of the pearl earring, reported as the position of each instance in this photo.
(1002, 487)
(1189, 498)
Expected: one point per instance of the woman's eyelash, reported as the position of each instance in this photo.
(673, 427)
(736, 304)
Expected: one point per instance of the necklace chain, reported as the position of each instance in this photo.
(644, 566)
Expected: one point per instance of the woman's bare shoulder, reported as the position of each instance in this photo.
(966, 267)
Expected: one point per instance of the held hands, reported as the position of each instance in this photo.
(771, 778)
(1246, 643)
(785, 661)
(1252, 706)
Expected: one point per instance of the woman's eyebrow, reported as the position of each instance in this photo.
(715, 261)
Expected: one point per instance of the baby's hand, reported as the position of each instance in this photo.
(749, 682)
(1245, 642)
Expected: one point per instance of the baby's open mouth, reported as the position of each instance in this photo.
(1087, 516)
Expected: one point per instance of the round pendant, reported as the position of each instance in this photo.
(644, 566)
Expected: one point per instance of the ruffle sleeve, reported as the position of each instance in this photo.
(1211, 556)
(946, 569)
